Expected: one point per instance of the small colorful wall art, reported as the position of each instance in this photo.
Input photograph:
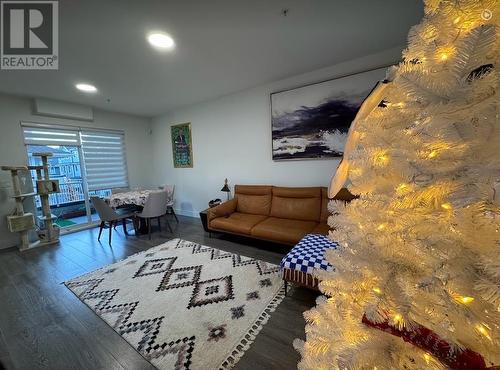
(311, 122)
(182, 145)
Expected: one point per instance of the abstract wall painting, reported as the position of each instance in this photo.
(182, 151)
(311, 122)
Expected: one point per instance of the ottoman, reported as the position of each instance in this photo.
(298, 265)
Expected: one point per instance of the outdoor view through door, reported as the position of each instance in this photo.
(87, 162)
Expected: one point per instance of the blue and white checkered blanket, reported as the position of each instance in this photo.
(309, 254)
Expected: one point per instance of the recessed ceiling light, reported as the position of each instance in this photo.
(161, 40)
(86, 88)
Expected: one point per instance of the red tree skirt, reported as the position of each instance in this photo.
(429, 341)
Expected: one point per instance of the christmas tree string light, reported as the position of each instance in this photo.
(416, 283)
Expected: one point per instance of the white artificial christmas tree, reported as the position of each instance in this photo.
(420, 247)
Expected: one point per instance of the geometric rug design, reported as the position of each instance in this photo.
(183, 305)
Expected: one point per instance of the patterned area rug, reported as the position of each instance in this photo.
(183, 305)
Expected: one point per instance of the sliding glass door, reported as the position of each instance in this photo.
(86, 163)
(70, 205)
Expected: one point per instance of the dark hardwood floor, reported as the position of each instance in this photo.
(44, 326)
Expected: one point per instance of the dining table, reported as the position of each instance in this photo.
(132, 197)
(136, 198)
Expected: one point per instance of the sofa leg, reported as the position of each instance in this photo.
(210, 235)
(286, 287)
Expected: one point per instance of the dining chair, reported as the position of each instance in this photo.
(155, 207)
(169, 189)
(109, 215)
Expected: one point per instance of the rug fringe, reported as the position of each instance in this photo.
(247, 340)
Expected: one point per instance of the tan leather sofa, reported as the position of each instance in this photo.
(278, 214)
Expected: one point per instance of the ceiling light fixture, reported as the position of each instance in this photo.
(86, 88)
(161, 40)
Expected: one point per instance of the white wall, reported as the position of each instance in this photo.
(232, 138)
(13, 110)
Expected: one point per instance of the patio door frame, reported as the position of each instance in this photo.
(85, 187)
(78, 129)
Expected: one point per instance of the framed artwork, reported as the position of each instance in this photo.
(312, 121)
(182, 151)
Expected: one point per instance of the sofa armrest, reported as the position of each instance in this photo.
(222, 210)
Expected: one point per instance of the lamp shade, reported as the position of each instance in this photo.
(341, 177)
(225, 188)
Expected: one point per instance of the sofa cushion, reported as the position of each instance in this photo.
(253, 189)
(282, 230)
(253, 199)
(236, 223)
(297, 203)
(322, 229)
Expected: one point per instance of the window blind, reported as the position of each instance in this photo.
(103, 152)
(50, 136)
(104, 158)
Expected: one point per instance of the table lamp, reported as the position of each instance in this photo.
(226, 189)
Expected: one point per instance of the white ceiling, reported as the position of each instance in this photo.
(223, 46)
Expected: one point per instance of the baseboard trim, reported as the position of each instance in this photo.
(187, 213)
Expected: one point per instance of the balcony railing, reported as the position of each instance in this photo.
(71, 192)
